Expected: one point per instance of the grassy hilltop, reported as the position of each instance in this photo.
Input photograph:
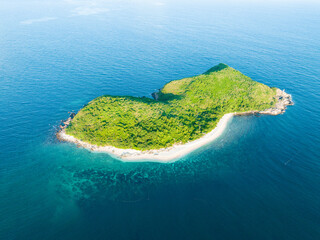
(184, 111)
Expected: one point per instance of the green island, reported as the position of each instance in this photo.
(182, 111)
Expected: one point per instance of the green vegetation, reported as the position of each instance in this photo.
(185, 110)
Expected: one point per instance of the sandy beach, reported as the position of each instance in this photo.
(160, 155)
(177, 151)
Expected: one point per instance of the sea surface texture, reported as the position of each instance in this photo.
(259, 180)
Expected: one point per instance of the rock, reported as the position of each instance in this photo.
(284, 99)
(155, 95)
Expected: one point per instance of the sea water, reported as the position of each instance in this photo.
(259, 180)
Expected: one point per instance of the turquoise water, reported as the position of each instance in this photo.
(259, 180)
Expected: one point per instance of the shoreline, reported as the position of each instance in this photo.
(176, 151)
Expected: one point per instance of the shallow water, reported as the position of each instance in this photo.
(259, 180)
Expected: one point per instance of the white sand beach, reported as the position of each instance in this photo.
(160, 155)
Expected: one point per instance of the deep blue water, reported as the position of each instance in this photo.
(259, 180)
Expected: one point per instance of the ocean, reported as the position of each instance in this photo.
(259, 180)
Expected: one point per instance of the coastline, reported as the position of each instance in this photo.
(176, 151)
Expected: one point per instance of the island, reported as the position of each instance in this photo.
(181, 117)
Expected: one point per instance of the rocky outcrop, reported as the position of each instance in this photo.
(155, 95)
(64, 124)
(283, 100)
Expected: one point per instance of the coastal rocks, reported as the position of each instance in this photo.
(72, 115)
(283, 100)
(155, 96)
(65, 123)
(63, 126)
